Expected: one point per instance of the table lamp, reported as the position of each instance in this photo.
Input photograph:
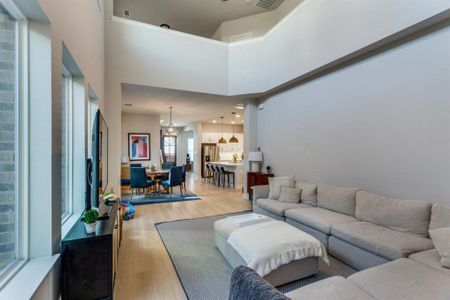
(255, 158)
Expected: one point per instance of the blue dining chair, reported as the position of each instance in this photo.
(139, 179)
(175, 179)
(184, 177)
(137, 165)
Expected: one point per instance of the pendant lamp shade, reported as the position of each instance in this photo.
(222, 140)
(233, 139)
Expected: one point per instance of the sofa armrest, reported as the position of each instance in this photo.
(260, 192)
(246, 284)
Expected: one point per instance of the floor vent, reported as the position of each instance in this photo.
(267, 4)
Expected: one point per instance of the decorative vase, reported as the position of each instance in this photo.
(90, 228)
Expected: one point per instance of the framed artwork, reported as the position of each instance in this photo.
(139, 146)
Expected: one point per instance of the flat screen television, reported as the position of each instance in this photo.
(97, 171)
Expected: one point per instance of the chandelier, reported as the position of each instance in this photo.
(171, 129)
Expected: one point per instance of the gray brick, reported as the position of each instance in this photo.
(7, 167)
(7, 198)
(7, 116)
(6, 187)
(5, 146)
(7, 238)
(6, 217)
(7, 96)
(7, 156)
(7, 136)
(7, 140)
(7, 126)
(7, 106)
(7, 178)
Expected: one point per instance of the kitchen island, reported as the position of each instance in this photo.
(237, 168)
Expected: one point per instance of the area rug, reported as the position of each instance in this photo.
(203, 271)
(159, 198)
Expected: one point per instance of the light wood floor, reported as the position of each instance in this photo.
(145, 270)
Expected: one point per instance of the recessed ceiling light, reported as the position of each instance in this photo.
(238, 116)
(165, 26)
(214, 121)
(239, 106)
(128, 104)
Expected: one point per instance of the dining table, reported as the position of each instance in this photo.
(154, 174)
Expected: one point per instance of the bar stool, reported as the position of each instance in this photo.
(218, 175)
(209, 173)
(227, 174)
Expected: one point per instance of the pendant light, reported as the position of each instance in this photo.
(222, 140)
(233, 139)
(171, 129)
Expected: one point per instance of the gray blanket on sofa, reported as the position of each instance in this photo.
(246, 284)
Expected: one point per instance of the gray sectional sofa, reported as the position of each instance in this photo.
(385, 238)
(359, 228)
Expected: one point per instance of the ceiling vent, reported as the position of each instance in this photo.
(268, 4)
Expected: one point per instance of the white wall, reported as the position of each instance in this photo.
(317, 33)
(380, 124)
(258, 25)
(142, 123)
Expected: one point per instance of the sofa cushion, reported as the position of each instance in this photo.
(410, 216)
(337, 288)
(318, 218)
(290, 195)
(441, 241)
(309, 192)
(440, 216)
(275, 184)
(381, 241)
(430, 258)
(403, 279)
(278, 207)
(338, 199)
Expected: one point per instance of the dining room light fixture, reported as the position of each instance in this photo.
(233, 139)
(171, 129)
(222, 140)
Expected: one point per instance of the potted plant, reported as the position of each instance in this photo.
(90, 220)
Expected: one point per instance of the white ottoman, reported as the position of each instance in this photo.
(295, 270)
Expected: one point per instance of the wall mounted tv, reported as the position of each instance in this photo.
(98, 169)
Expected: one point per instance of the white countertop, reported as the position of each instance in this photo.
(226, 163)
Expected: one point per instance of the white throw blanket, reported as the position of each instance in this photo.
(267, 246)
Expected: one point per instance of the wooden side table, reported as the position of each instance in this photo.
(256, 178)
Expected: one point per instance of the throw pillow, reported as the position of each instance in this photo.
(275, 184)
(290, 195)
(309, 193)
(441, 241)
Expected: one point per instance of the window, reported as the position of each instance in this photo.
(11, 145)
(66, 144)
(170, 148)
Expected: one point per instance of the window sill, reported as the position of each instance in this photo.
(68, 224)
(27, 281)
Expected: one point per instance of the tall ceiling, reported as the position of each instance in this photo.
(200, 17)
(188, 107)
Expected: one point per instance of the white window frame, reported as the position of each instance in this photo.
(21, 143)
(66, 75)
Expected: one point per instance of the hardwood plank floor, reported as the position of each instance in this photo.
(145, 270)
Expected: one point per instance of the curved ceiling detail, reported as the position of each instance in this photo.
(317, 33)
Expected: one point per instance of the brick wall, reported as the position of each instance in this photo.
(7, 140)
